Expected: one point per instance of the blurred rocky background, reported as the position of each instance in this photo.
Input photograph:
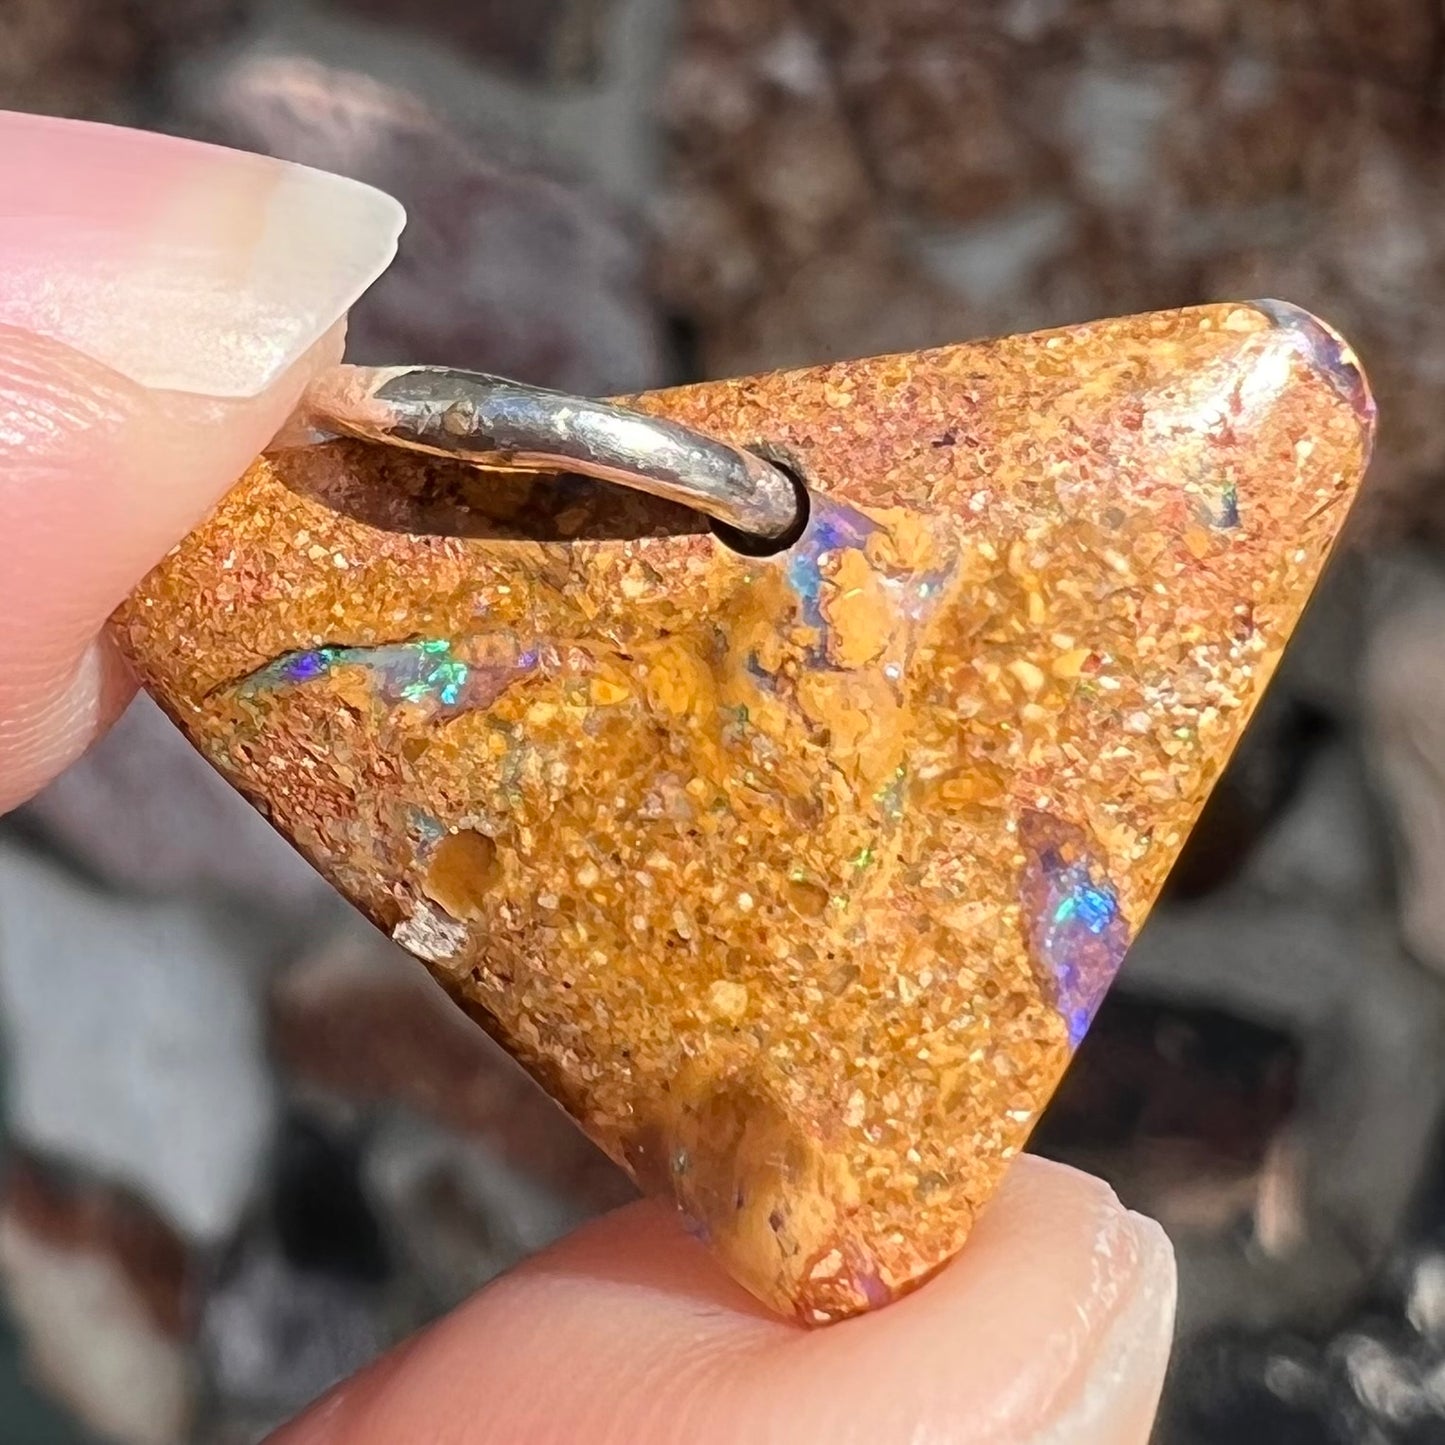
(249, 1146)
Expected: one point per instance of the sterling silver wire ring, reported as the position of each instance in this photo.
(506, 425)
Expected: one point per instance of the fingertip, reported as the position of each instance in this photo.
(179, 265)
(1052, 1326)
(98, 478)
(1119, 1393)
(46, 726)
(162, 305)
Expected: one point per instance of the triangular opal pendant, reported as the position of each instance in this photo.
(795, 878)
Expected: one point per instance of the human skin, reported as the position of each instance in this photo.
(162, 304)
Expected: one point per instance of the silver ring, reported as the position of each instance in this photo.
(508, 426)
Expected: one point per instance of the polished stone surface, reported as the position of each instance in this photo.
(795, 878)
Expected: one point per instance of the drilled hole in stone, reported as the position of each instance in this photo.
(751, 545)
(395, 490)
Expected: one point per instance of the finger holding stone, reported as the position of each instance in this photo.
(162, 305)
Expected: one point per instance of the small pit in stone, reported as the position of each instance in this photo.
(808, 899)
(464, 869)
(751, 545)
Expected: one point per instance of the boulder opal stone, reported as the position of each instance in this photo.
(796, 878)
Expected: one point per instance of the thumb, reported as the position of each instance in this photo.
(1052, 1327)
(162, 305)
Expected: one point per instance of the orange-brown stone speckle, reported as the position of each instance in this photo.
(795, 878)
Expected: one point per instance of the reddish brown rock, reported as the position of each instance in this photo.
(1027, 164)
(93, 58)
(103, 1293)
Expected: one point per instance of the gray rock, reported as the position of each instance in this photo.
(1405, 709)
(134, 1044)
(1279, 966)
(557, 40)
(1337, 1186)
(1425, 1296)
(144, 811)
(1321, 667)
(506, 265)
(1327, 847)
(273, 1338)
(458, 1214)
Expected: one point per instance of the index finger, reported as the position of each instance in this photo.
(162, 304)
